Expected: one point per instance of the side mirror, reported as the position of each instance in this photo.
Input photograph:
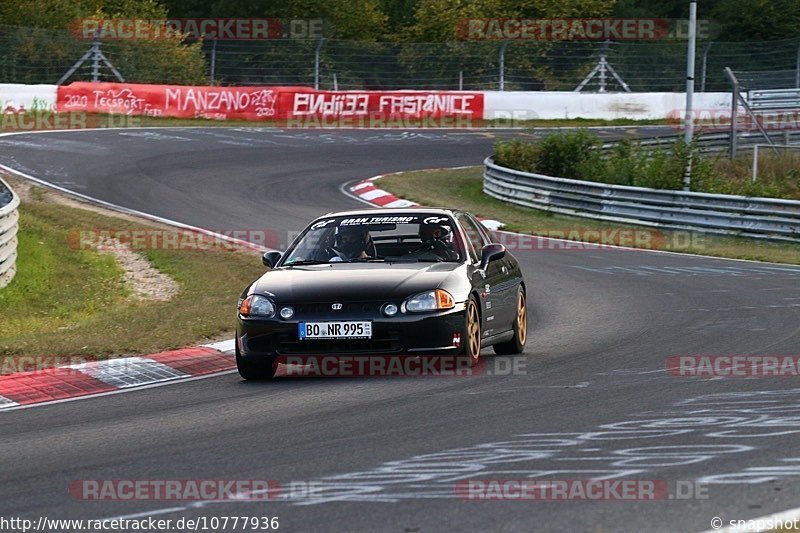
(492, 252)
(270, 259)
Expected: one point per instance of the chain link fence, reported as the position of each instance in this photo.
(30, 55)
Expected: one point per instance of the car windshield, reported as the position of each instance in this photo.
(378, 238)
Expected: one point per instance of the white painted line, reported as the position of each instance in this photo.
(156, 512)
(771, 522)
(129, 372)
(222, 346)
(145, 514)
(375, 193)
(134, 212)
(649, 250)
(5, 403)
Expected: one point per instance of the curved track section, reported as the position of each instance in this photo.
(593, 398)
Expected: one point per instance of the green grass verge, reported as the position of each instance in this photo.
(66, 301)
(464, 189)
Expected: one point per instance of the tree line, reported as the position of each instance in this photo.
(418, 20)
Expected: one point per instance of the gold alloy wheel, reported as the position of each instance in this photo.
(473, 331)
(522, 319)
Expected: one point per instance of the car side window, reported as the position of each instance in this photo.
(488, 236)
(474, 237)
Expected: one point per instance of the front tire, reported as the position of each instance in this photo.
(516, 344)
(255, 370)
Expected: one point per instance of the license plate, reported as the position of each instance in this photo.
(348, 329)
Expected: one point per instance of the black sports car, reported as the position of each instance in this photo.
(383, 282)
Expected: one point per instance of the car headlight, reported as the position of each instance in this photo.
(255, 305)
(430, 301)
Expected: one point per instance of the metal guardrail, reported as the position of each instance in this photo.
(774, 99)
(9, 224)
(710, 143)
(763, 218)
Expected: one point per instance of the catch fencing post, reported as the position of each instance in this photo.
(316, 63)
(96, 59)
(96, 55)
(689, 122)
(797, 70)
(213, 63)
(705, 66)
(734, 110)
(503, 65)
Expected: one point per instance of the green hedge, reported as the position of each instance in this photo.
(576, 154)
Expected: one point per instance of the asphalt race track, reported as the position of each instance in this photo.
(594, 398)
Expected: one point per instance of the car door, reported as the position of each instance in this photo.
(508, 283)
(494, 316)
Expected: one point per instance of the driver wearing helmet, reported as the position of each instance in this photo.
(438, 240)
(353, 242)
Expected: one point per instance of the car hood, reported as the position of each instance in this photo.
(349, 282)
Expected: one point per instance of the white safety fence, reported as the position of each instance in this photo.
(9, 225)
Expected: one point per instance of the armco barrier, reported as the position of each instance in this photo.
(763, 218)
(718, 142)
(9, 223)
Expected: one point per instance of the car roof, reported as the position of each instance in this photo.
(392, 211)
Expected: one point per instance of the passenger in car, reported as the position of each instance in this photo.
(437, 239)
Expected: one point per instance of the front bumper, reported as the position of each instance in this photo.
(405, 333)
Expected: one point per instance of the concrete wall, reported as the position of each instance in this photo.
(566, 105)
(503, 105)
(16, 97)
